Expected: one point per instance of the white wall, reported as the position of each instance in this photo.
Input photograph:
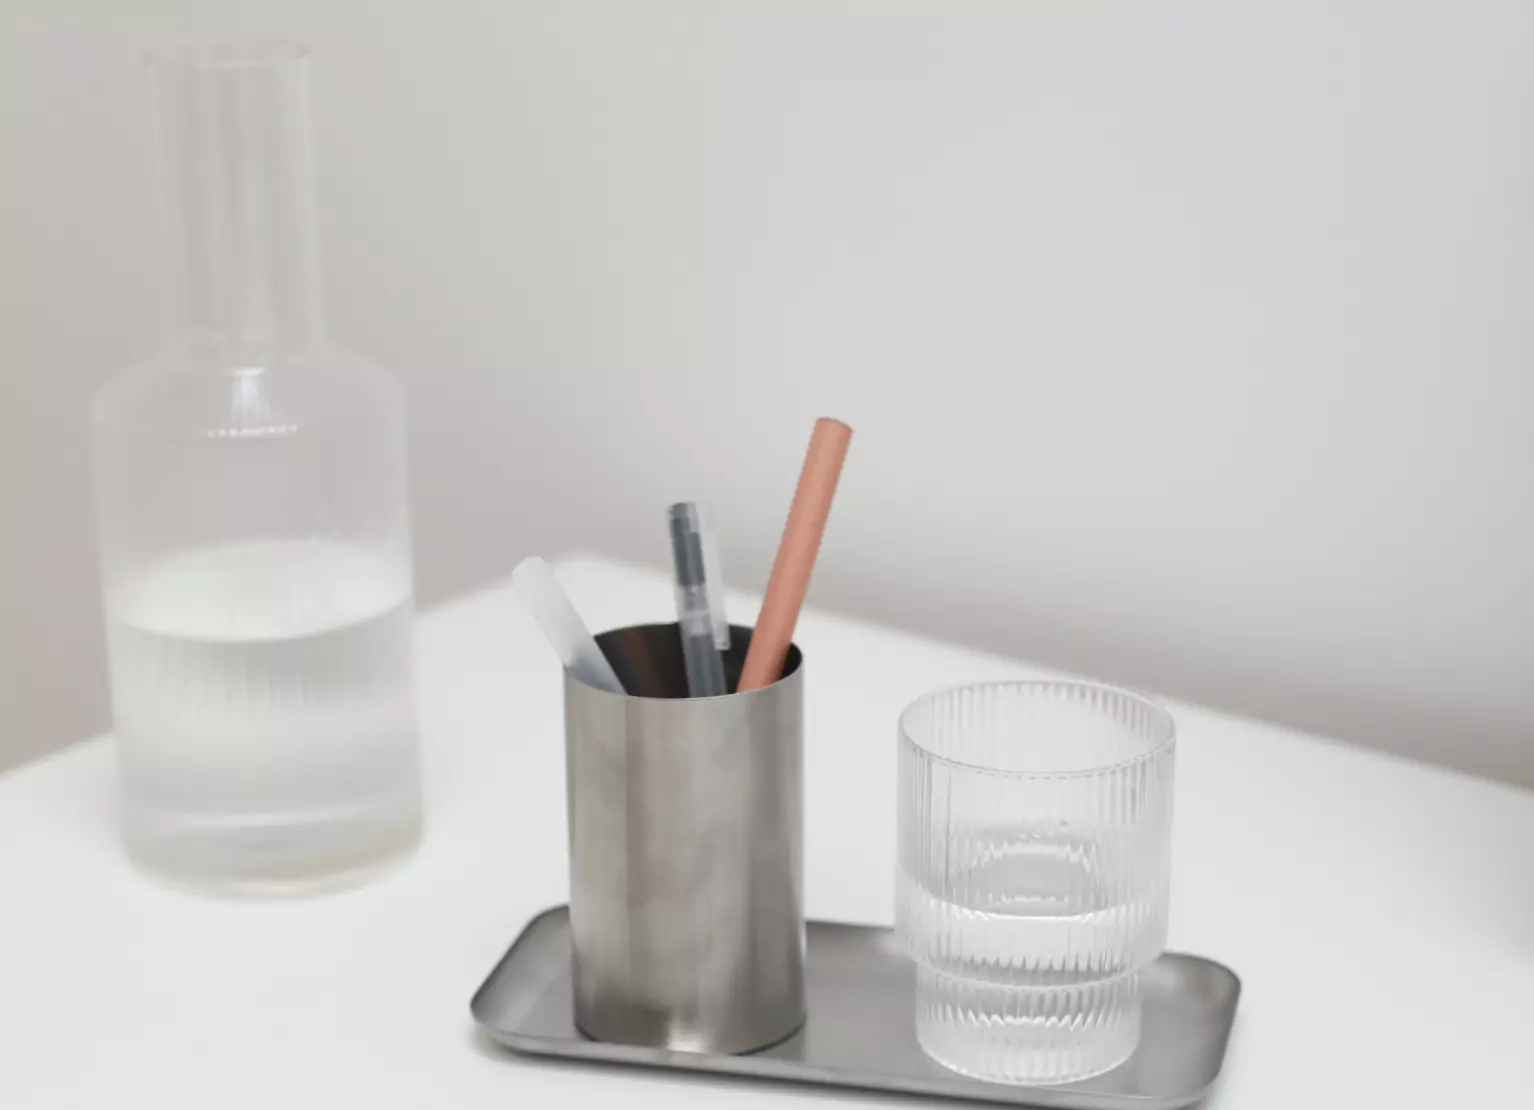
(1190, 350)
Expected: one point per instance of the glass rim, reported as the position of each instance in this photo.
(1165, 726)
(212, 57)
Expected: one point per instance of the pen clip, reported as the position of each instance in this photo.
(713, 577)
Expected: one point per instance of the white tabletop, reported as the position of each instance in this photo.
(1380, 913)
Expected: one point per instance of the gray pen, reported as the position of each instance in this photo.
(694, 613)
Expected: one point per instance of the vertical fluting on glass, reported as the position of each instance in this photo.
(1033, 883)
(253, 521)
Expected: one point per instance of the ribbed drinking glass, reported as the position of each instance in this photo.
(1034, 866)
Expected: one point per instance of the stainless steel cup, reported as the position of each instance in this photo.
(686, 851)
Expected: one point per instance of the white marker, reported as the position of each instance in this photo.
(550, 606)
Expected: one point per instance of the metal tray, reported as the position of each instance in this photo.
(859, 1032)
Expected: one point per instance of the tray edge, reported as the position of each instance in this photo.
(637, 1056)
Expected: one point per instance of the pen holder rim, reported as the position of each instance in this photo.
(740, 639)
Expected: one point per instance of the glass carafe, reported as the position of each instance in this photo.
(253, 521)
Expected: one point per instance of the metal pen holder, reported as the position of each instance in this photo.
(686, 851)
